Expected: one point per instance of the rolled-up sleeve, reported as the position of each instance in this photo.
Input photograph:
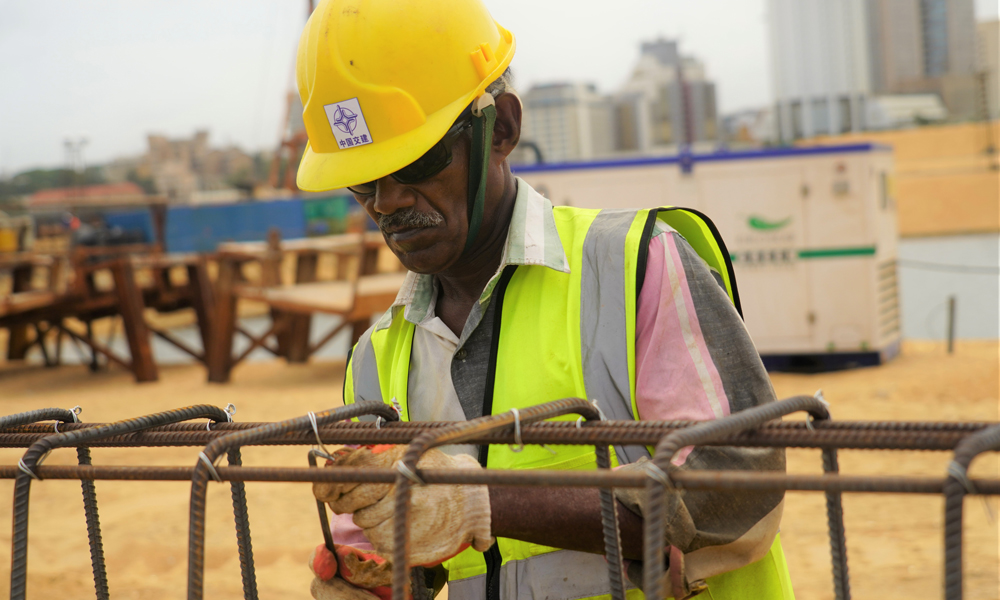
(695, 360)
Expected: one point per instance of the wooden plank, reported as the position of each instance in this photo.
(299, 325)
(131, 306)
(220, 349)
(17, 343)
(23, 302)
(202, 302)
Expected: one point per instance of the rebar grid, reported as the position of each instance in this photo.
(232, 443)
(61, 415)
(80, 437)
(741, 429)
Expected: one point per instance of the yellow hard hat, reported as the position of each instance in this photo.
(381, 82)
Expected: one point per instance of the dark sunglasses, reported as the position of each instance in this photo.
(430, 164)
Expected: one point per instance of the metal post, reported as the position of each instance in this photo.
(951, 324)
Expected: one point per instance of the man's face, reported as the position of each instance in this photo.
(425, 224)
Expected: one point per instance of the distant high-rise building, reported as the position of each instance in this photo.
(924, 46)
(568, 121)
(667, 102)
(821, 67)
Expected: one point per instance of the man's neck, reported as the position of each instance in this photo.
(462, 284)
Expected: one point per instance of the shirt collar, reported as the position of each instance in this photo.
(532, 239)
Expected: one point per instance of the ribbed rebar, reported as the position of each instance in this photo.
(955, 490)
(610, 529)
(656, 488)
(200, 474)
(242, 518)
(837, 534)
(460, 433)
(93, 529)
(78, 437)
(34, 416)
(791, 434)
(724, 481)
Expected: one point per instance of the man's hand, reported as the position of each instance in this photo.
(444, 519)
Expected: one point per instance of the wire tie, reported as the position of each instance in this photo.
(315, 428)
(396, 406)
(24, 469)
(962, 476)
(321, 454)
(579, 423)
(657, 474)
(230, 411)
(600, 412)
(518, 445)
(408, 473)
(809, 419)
(551, 451)
(378, 422)
(211, 468)
(75, 411)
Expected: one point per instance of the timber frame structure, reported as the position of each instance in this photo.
(757, 427)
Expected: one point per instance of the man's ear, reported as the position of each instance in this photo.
(507, 130)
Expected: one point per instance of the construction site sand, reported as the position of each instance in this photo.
(895, 541)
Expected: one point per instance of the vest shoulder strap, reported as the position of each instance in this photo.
(703, 236)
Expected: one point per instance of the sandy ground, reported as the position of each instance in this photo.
(895, 542)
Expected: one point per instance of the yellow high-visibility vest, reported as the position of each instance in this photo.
(563, 335)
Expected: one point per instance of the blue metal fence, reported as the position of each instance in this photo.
(202, 228)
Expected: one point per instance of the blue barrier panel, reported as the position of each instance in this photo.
(202, 228)
(131, 220)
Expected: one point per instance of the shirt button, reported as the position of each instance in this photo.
(460, 355)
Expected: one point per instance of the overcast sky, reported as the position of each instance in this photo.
(115, 70)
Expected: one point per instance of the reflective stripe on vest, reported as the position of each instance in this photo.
(561, 335)
(555, 575)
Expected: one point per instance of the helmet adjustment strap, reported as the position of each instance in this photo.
(484, 113)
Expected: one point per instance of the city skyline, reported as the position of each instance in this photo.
(115, 71)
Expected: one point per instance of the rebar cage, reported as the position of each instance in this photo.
(757, 427)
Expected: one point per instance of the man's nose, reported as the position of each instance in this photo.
(391, 196)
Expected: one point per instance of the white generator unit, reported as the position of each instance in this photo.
(811, 233)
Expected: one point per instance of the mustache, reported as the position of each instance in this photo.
(409, 218)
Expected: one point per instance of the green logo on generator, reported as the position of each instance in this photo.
(761, 224)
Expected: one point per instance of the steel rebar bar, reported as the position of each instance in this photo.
(656, 488)
(957, 486)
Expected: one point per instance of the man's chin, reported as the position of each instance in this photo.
(424, 261)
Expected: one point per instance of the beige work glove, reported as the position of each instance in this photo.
(327, 585)
(338, 589)
(444, 519)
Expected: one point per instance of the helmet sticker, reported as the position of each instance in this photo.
(348, 123)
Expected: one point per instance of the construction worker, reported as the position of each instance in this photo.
(511, 302)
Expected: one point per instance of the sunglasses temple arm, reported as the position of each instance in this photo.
(482, 141)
